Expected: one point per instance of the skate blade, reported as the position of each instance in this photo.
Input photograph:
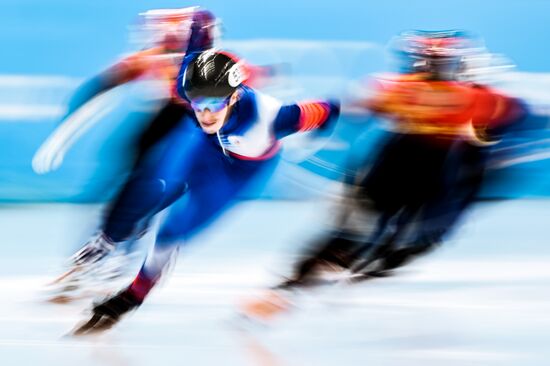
(244, 323)
(66, 274)
(65, 299)
(357, 278)
(95, 326)
(264, 309)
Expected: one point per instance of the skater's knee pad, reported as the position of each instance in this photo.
(169, 234)
(139, 200)
(173, 190)
(144, 190)
(176, 187)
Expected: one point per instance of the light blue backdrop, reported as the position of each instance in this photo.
(50, 46)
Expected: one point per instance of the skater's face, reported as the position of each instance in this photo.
(212, 113)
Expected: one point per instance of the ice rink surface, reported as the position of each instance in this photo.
(482, 299)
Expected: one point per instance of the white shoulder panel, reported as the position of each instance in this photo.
(259, 138)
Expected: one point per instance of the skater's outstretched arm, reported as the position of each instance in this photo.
(87, 104)
(306, 116)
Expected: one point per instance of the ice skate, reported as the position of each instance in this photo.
(107, 313)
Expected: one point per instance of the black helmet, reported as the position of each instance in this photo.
(212, 74)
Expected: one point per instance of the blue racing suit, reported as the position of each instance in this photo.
(199, 175)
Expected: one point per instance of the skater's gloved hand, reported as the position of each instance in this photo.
(93, 251)
(51, 153)
(107, 313)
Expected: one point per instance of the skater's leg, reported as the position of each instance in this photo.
(332, 250)
(158, 183)
(212, 189)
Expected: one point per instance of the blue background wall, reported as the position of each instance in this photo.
(50, 46)
(77, 38)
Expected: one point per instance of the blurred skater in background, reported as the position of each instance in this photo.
(426, 173)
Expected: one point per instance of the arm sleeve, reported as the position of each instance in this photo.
(497, 113)
(123, 71)
(202, 29)
(86, 91)
(200, 39)
(306, 116)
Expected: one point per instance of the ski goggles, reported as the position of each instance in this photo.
(214, 105)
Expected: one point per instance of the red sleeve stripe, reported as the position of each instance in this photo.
(312, 115)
